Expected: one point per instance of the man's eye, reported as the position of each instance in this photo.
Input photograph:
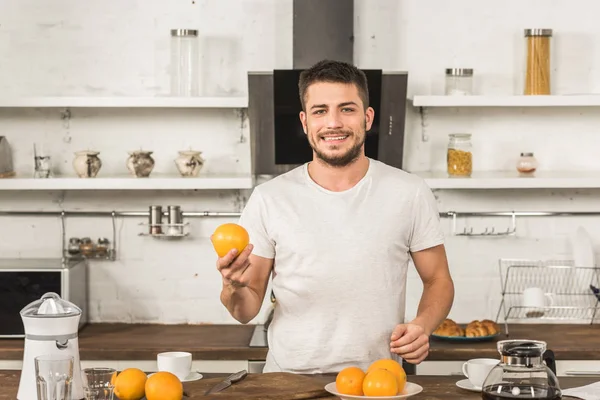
(347, 109)
(319, 112)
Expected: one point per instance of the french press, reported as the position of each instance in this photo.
(526, 371)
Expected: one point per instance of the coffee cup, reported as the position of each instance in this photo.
(179, 363)
(478, 369)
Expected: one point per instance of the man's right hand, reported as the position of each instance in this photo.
(234, 267)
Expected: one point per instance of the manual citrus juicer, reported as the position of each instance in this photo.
(51, 327)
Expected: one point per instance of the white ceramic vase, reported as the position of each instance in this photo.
(140, 163)
(189, 163)
(87, 164)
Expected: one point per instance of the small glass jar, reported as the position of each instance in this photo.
(87, 247)
(537, 73)
(102, 247)
(459, 81)
(527, 164)
(184, 62)
(459, 157)
(73, 247)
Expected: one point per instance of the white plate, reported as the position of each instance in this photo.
(193, 376)
(410, 389)
(467, 385)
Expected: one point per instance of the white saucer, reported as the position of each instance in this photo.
(193, 376)
(467, 385)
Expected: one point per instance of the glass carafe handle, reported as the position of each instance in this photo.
(550, 360)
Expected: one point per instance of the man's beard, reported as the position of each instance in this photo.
(339, 160)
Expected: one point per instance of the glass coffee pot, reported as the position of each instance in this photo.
(526, 371)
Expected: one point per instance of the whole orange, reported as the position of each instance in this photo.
(392, 366)
(350, 381)
(229, 236)
(130, 383)
(380, 382)
(164, 386)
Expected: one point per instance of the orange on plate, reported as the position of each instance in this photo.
(229, 236)
(392, 366)
(350, 381)
(380, 382)
(164, 386)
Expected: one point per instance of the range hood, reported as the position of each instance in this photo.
(322, 29)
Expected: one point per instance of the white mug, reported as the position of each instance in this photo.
(478, 369)
(535, 297)
(179, 363)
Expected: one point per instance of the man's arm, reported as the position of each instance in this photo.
(411, 340)
(438, 288)
(245, 280)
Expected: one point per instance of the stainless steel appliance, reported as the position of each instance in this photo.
(23, 281)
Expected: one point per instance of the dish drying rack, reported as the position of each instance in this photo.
(569, 286)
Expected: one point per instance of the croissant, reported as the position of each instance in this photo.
(474, 328)
(449, 330)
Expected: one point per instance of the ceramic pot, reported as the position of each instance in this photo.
(189, 163)
(140, 163)
(87, 164)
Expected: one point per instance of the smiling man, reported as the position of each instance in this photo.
(337, 234)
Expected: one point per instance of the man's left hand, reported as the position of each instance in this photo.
(411, 342)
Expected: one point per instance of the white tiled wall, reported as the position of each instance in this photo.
(121, 48)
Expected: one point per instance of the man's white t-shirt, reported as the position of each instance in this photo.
(340, 263)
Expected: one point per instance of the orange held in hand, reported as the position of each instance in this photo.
(380, 382)
(229, 236)
(350, 381)
(391, 366)
(164, 386)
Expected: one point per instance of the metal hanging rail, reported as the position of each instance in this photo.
(197, 214)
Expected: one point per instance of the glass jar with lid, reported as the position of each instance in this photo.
(102, 247)
(184, 62)
(87, 247)
(459, 156)
(459, 81)
(537, 74)
(527, 164)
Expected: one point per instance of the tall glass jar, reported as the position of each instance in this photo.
(184, 62)
(537, 74)
(460, 156)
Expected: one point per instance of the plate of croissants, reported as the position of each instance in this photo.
(474, 331)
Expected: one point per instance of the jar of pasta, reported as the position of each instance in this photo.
(537, 73)
(460, 156)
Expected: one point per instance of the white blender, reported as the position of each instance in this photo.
(51, 326)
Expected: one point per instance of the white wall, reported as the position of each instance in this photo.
(122, 48)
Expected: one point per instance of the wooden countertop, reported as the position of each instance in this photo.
(568, 341)
(231, 342)
(144, 342)
(434, 387)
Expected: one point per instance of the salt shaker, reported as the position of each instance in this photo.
(527, 164)
(175, 220)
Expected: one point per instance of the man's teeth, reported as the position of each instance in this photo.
(335, 138)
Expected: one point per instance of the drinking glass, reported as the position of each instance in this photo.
(97, 383)
(54, 376)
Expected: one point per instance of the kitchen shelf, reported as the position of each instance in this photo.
(127, 182)
(508, 101)
(127, 102)
(511, 180)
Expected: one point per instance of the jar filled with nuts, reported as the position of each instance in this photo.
(460, 157)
